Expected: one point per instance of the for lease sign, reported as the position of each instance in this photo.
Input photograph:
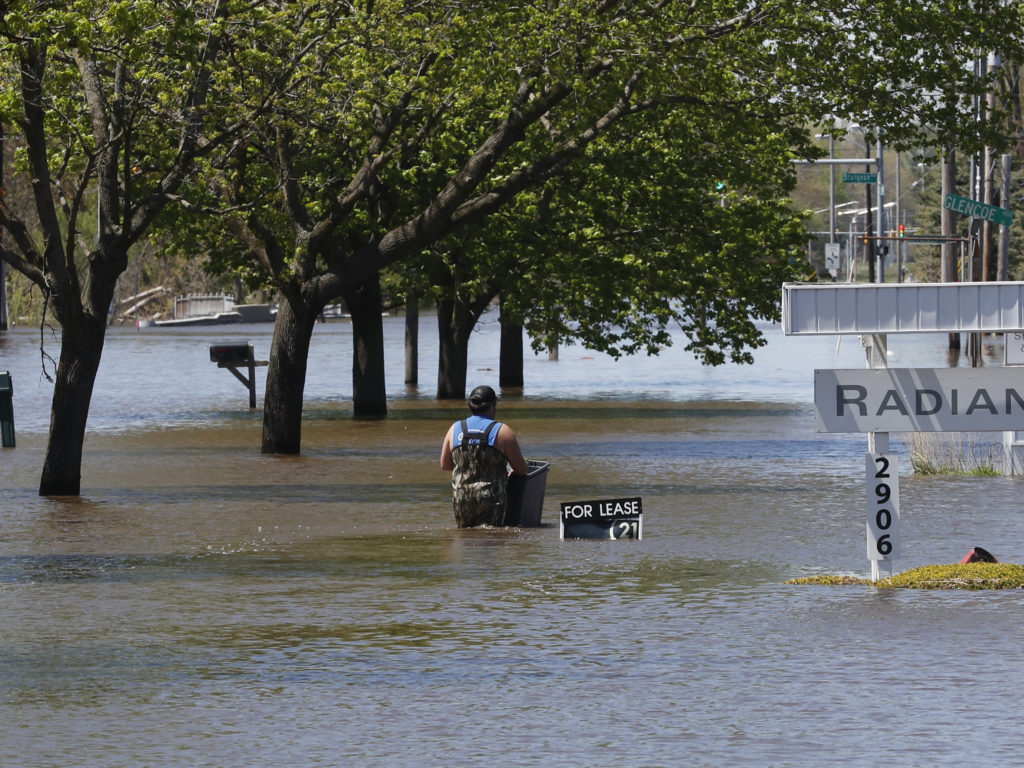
(603, 519)
(919, 400)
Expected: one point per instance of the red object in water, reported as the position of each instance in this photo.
(978, 555)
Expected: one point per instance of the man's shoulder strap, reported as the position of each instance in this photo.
(486, 432)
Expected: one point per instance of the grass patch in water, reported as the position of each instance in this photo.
(956, 576)
(954, 453)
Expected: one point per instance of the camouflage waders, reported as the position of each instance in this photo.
(480, 478)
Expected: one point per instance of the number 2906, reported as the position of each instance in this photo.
(882, 507)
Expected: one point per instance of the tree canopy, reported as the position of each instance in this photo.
(404, 124)
(110, 100)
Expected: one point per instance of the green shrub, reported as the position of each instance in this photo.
(956, 576)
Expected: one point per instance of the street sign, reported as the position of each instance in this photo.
(602, 519)
(1013, 349)
(860, 178)
(978, 210)
(919, 399)
(832, 258)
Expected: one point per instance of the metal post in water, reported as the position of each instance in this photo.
(6, 410)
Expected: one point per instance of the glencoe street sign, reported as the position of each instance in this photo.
(860, 178)
(978, 210)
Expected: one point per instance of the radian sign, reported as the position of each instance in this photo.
(919, 400)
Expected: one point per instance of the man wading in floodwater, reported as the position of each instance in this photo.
(479, 451)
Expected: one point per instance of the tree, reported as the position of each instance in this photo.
(407, 123)
(653, 231)
(110, 100)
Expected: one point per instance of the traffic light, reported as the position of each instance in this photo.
(902, 230)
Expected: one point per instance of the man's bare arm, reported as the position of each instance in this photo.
(507, 443)
(447, 463)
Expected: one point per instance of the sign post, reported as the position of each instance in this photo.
(883, 510)
(877, 348)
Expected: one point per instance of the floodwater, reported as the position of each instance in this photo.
(203, 605)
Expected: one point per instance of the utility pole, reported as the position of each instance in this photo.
(989, 170)
(869, 243)
(1002, 266)
(897, 212)
(948, 219)
(881, 251)
(831, 188)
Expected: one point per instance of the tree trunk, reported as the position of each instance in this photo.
(3, 291)
(510, 365)
(412, 338)
(3, 264)
(286, 375)
(454, 325)
(80, 351)
(369, 392)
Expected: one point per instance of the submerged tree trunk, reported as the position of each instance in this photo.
(510, 361)
(412, 338)
(80, 352)
(286, 375)
(455, 322)
(83, 320)
(369, 391)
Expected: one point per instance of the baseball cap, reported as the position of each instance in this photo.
(482, 396)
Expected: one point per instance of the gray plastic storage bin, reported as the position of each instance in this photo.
(526, 495)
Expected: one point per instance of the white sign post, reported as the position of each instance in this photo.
(877, 348)
(883, 510)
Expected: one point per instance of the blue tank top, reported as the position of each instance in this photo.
(474, 430)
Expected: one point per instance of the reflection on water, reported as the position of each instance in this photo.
(202, 604)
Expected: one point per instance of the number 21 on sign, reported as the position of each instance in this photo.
(883, 506)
